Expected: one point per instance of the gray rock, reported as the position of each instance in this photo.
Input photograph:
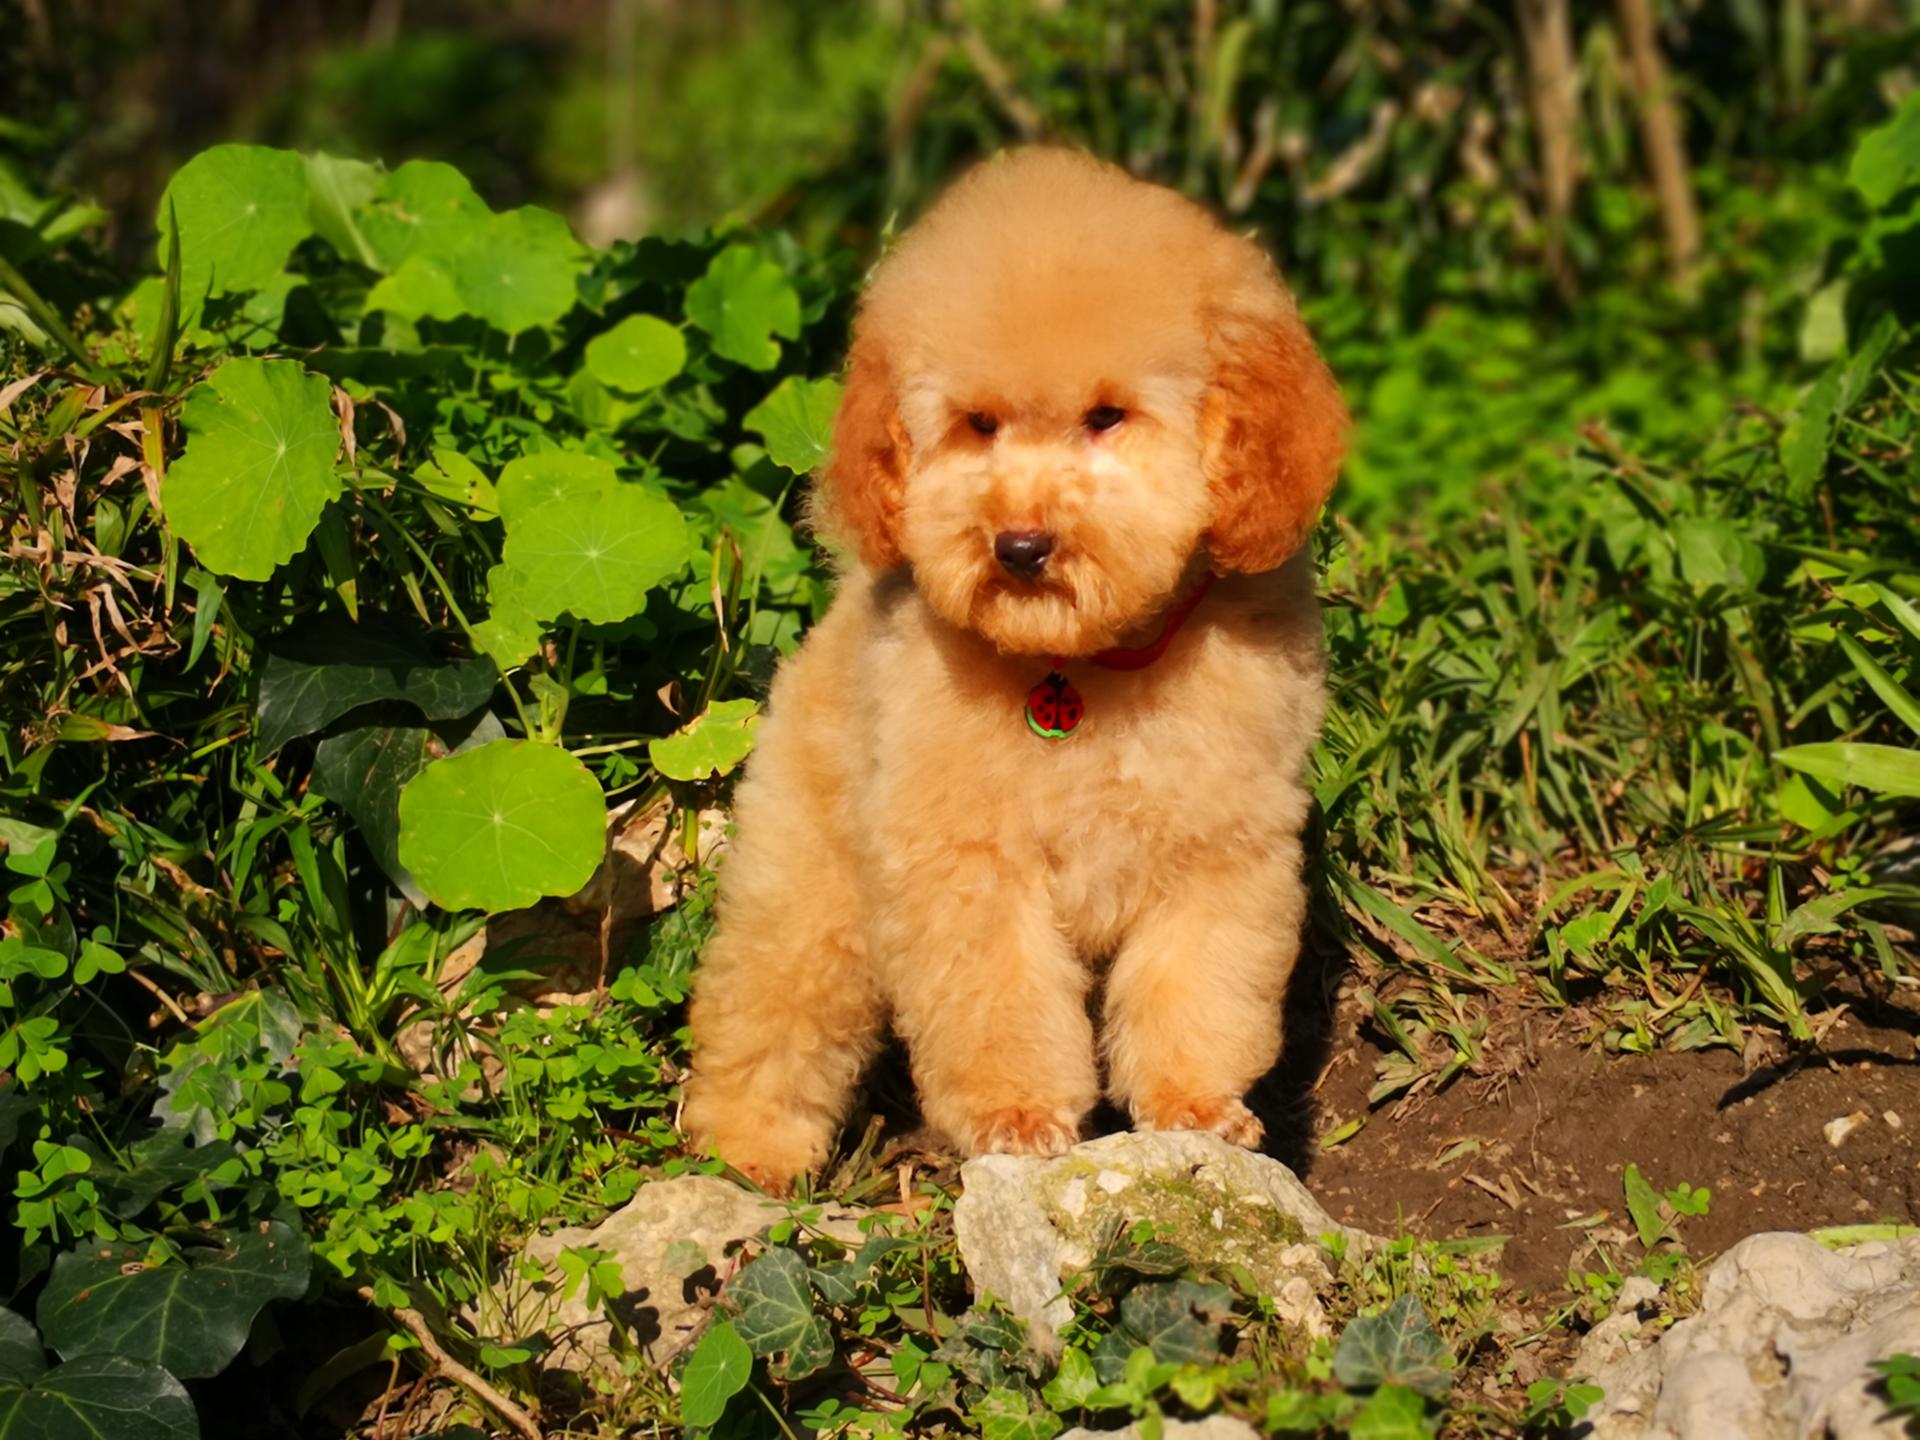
(1024, 1222)
(1213, 1427)
(1778, 1351)
(671, 1241)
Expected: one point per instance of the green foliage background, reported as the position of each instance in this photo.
(370, 534)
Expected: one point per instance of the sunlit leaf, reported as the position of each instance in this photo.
(337, 189)
(796, 421)
(1887, 160)
(596, 556)
(639, 354)
(425, 209)
(717, 1371)
(241, 210)
(712, 743)
(531, 480)
(1888, 769)
(519, 270)
(743, 302)
(501, 826)
(258, 468)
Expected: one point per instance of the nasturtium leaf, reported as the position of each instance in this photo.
(796, 421)
(99, 1397)
(641, 353)
(22, 1360)
(742, 302)
(191, 1318)
(1399, 1346)
(317, 675)
(425, 210)
(258, 468)
(1889, 769)
(1008, 1414)
(421, 289)
(510, 634)
(519, 270)
(1887, 160)
(452, 476)
(596, 556)
(531, 480)
(501, 826)
(712, 743)
(337, 189)
(718, 1370)
(241, 210)
(364, 770)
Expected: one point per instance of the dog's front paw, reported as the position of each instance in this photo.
(1230, 1119)
(1021, 1130)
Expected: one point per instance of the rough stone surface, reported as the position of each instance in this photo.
(1213, 1427)
(1023, 1222)
(1778, 1351)
(671, 1241)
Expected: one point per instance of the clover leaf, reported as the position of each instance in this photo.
(258, 469)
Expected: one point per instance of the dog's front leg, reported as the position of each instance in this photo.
(989, 997)
(1194, 1001)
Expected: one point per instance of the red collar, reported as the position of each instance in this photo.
(1139, 657)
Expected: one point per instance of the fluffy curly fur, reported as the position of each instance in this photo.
(907, 850)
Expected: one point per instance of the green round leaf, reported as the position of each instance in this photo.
(510, 633)
(500, 826)
(712, 743)
(519, 270)
(640, 353)
(189, 1318)
(717, 1371)
(421, 289)
(336, 190)
(742, 302)
(1887, 160)
(102, 1395)
(595, 556)
(258, 469)
(532, 480)
(426, 210)
(241, 210)
(796, 421)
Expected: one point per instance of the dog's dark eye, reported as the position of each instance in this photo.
(982, 422)
(1104, 417)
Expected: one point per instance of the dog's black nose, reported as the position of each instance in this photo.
(1022, 553)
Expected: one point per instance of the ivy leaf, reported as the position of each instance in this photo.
(1180, 1320)
(774, 1314)
(425, 210)
(258, 468)
(102, 1395)
(595, 557)
(532, 480)
(241, 210)
(500, 826)
(1009, 1415)
(742, 302)
(717, 1371)
(1399, 1346)
(712, 743)
(1887, 160)
(796, 421)
(22, 1361)
(1391, 1413)
(1073, 1383)
(518, 270)
(319, 674)
(189, 1318)
(641, 353)
(336, 191)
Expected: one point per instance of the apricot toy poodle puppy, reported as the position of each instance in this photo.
(1051, 735)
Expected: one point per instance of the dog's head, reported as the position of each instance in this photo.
(1064, 383)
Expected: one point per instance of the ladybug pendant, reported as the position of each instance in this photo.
(1054, 708)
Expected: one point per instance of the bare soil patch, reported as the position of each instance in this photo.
(1536, 1150)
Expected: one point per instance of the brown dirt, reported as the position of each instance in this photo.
(1536, 1151)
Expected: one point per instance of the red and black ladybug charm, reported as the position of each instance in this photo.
(1054, 708)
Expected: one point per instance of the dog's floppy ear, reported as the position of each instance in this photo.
(865, 476)
(1274, 428)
